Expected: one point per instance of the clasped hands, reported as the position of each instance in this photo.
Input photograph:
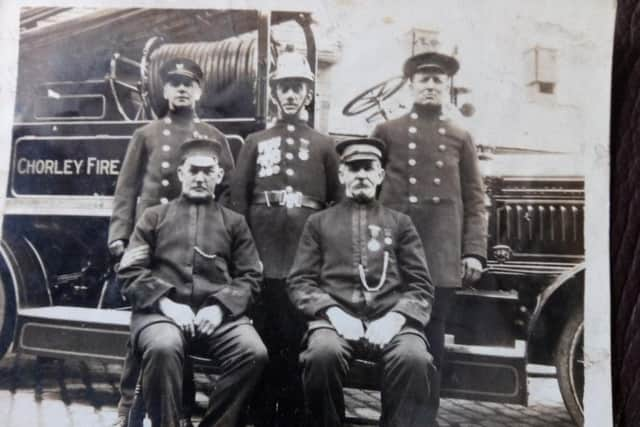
(379, 333)
(205, 321)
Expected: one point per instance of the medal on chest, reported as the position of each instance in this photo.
(388, 241)
(374, 244)
(269, 157)
(303, 151)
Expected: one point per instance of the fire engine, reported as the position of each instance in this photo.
(85, 86)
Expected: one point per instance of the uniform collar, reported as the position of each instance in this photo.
(353, 204)
(181, 117)
(295, 121)
(183, 200)
(425, 111)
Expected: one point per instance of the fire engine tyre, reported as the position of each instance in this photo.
(7, 316)
(569, 359)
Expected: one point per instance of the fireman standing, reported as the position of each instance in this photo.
(148, 176)
(283, 175)
(433, 176)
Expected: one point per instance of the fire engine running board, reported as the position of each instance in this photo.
(486, 373)
(73, 332)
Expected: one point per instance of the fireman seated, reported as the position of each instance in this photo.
(191, 271)
(361, 279)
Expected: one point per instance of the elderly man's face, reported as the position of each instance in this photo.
(361, 178)
(292, 95)
(429, 87)
(181, 92)
(199, 175)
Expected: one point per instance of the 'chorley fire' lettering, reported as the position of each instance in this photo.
(90, 166)
(97, 166)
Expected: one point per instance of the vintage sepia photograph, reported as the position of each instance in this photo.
(339, 213)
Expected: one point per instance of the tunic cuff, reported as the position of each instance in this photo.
(148, 297)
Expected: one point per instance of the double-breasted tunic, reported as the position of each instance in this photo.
(148, 174)
(333, 246)
(433, 175)
(197, 254)
(290, 157)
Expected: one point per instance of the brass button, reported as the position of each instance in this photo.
(412, 146)
(414, 115)
(167, 120)
(412, 162)
(289, 141)
(289, 172)
(413, 199)
(196, 134)
(291, 128)
(166, 148)
(165, 165)
(412, 180)
(289, 156)
(442, 147)
(275, 170)
(412, 129)
(435, 199)
(165, 182)
(442, 131)
(436, 181)
(196, 120)
(166, 132)
(439, 164)
(164, 200)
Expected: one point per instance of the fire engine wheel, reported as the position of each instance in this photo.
(569, 360)
(7, 316)
(373, 96)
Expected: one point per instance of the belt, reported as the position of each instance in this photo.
(288, 198)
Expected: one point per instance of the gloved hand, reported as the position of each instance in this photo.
(349, 327)
(117, 247)
(471, 270)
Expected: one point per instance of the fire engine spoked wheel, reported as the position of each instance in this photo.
(373, 96)
(569, 359)
(7, 316)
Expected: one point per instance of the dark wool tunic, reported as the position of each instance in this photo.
(290, 156)
(433, 175)
(336, 241)
(196, 254)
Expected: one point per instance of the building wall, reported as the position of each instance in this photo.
(492, 38)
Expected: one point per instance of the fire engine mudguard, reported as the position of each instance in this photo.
(556, 336)
(23, 283)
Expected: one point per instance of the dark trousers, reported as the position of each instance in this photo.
(128, 382)
(406, 373)
(435, 332)
(278, 400)
(235, 346)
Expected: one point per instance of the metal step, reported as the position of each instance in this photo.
(73, 332)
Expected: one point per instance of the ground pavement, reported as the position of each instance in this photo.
(84, 394)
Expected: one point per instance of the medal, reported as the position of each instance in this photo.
(374, 245)
(303, 153)
(387, 236)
